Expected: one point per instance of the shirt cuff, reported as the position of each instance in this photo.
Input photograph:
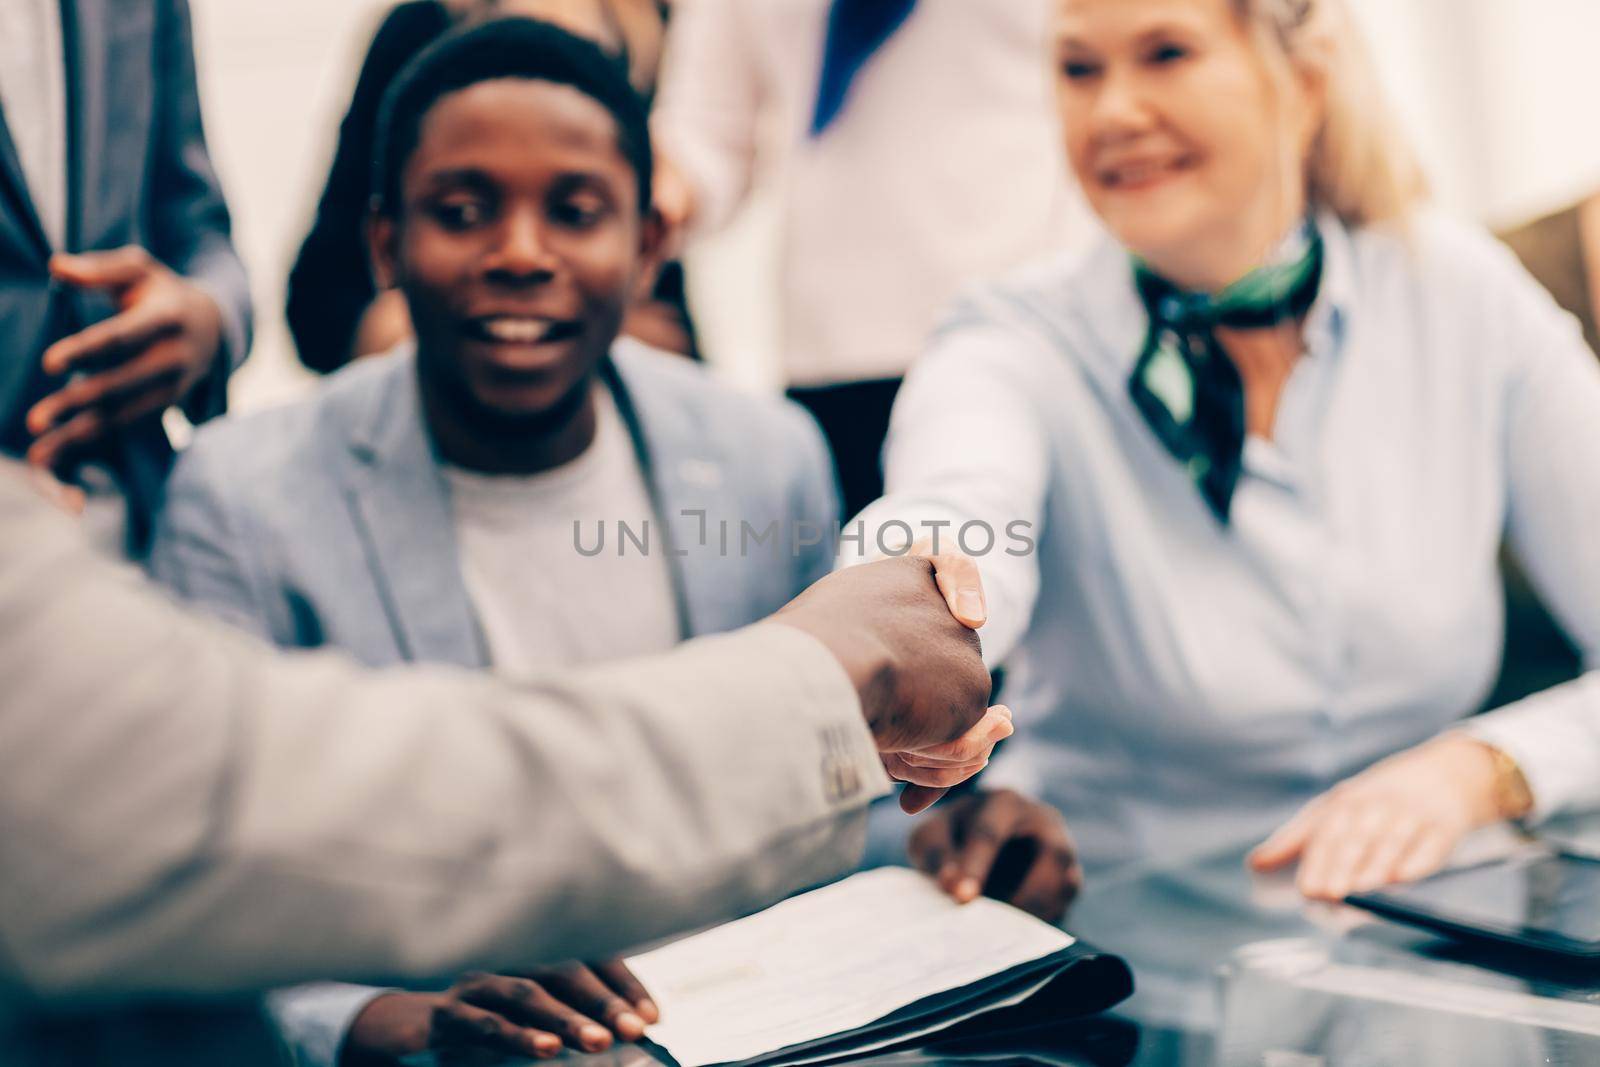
(315, 1018)
(1554, 737)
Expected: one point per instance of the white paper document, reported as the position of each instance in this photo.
(829, 962)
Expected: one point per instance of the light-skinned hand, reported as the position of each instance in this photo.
(1397, 821)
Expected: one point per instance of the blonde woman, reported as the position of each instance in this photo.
(1263, 442)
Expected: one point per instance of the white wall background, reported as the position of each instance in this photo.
(1500, 95)
(275, 78)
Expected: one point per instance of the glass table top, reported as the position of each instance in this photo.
(1236, 969)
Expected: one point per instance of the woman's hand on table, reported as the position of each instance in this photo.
(1397, 821)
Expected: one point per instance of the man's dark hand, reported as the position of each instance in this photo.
(1003, 845)
(923, 686)
(161, 343)
(583, 1007)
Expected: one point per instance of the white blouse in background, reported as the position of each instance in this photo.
(945, 167)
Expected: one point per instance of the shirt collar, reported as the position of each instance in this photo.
(1107, 296)
(1328, 321)
(1110, 287)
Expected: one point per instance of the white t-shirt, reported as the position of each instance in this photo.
(539, 599)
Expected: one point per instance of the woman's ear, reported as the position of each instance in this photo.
(382, 249)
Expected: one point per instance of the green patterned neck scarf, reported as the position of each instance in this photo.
(1185, 385)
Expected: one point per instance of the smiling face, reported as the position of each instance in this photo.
(1186, 146)
(518, 241)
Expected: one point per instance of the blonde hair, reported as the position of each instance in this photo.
(1361, 167)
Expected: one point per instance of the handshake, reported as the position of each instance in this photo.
(903, 631)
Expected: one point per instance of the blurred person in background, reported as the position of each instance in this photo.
(912, 145)
(120, 291)
(1266, 436)
(334, 309)
(477, 480)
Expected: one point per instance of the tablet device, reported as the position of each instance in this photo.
(1545, 902)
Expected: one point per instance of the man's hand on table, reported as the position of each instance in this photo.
(161, 343)
(923, 687)
(536, 1014)
(1397, 821)
(1003, 845)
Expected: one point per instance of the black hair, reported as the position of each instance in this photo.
(504, 48)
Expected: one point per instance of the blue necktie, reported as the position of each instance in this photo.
(856, 30)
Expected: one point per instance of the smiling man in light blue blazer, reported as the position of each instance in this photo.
(337, 522)
(518, 488)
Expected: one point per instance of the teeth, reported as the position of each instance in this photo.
(518, 331)
(1136, 172)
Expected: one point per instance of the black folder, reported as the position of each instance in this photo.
(1075, 982)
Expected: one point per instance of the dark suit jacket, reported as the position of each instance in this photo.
(138, 173)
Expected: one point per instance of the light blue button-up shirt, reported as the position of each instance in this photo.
(1179, 683)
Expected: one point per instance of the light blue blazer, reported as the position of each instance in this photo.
(328, 522)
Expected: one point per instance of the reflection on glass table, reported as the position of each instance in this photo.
(993, 1041)
(1547, 901)
(1236, 969)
